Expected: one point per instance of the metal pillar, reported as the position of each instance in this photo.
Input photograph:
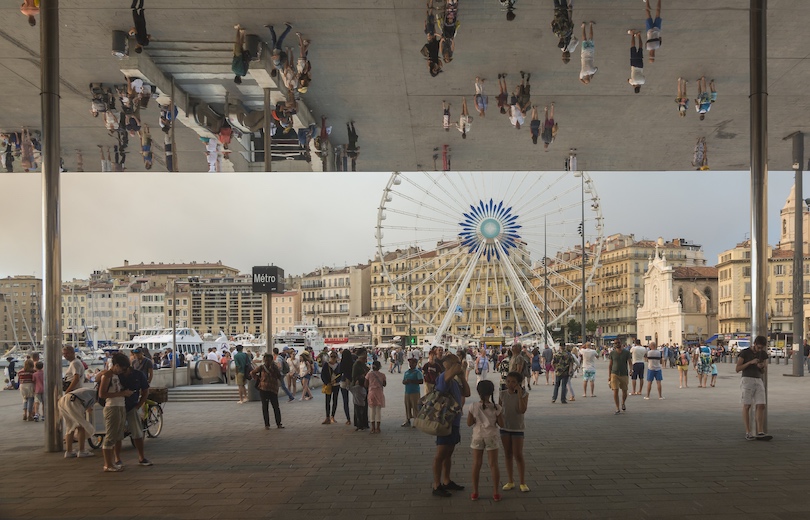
(584, 256)
(171, 130)
(174, 333)
(51, 233)
(268, 138)
(758, 58)
(798, 258)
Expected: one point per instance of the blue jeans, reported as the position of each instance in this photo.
(560, 381)
(286, 390)
(344, 393)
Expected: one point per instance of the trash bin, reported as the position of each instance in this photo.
(252, 43)
(120, 44)
(252, 391)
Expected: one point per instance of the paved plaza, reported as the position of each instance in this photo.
(367, 67)
(682, 458)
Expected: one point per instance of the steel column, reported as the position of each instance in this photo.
(798, 258)
(759, 168)
(51, 233)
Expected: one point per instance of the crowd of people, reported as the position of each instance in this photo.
(23, 145)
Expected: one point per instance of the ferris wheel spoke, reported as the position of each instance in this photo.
(451, 223)
(434, 196)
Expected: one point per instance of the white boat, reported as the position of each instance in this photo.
(303, 335)
(156, 340)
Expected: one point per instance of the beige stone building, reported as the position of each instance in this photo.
(225, 303)
(331, 296)
(161, 274)
(679, 303)
(20, 311)
(734, 268)
(617, 289)
(286, 308)
(427, 281)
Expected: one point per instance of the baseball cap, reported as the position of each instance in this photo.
(136, 350)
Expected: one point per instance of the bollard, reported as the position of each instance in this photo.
(120, 44)
(252, 44)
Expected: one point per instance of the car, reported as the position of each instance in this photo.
(776, 352)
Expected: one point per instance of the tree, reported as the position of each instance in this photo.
(591, 327)
(574, 328)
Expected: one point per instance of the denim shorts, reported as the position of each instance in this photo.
(452, 439)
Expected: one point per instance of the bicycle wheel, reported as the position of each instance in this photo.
(95, 440)
(154, 423)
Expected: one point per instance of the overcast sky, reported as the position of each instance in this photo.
(301, 221)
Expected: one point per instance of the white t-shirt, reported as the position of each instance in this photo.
(572, 45)
(515, 115)
(212, 356)
(637, 76)
(486, 424)
(464, 124)
(589, 356)
(653, 34)
(75, 367)
(638, 353)
(115, 386)
(654, 359)
(303, 369)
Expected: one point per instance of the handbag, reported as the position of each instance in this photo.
(359, 394)
(327, 389)
(437, 410)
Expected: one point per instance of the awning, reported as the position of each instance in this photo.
(713, 338)
(610, 337)
(330, 341)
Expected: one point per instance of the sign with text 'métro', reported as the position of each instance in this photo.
(268, 279)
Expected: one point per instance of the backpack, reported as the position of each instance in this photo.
(526, 372)
(100, 400)
(285, 367)
(437, 410)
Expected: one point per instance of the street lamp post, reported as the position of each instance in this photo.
(798, 256)
(581, 175)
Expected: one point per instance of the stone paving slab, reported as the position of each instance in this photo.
(683, 457)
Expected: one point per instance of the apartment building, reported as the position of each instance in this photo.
(224, 303)
(617, 287)
(20, 311)
(330, 296)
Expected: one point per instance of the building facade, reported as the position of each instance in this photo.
(679, 303)
(734, 272)
(617, 289)
(20, 311)
(225, 303)
(286, 308)
(330, 296)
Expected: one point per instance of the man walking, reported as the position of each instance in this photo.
(563, 365)
(619, 366)
(753, 363)
(636, 61)
(143, 364)
(654, 369)
(638, 352)
(547, 356)
(241, 361)
(138, 30)
(653, 29)
(588, 368)
(412, 379)
(241, 57)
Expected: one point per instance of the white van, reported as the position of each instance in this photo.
(736, 345)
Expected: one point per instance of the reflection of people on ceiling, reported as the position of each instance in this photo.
(241, 56)
(701, 159)
(138, 30)
(279, 57)
(431, 49)
(30, 8)
(563, 27)
(303, 66)
(588, 69)
(352, 150)
(510, 9)
(480, 97)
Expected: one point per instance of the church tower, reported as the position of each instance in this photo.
(787, 223)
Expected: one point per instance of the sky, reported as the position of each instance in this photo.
(300, 221)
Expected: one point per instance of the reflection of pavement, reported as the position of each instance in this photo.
(367, 67)
(684, 457)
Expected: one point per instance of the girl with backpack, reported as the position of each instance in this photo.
(268, 380)
(485, 417)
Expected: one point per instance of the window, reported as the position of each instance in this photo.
(780, 287)
(779, 270)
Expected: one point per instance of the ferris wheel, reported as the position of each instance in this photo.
(477, 254)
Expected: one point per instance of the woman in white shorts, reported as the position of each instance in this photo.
(588, 69)
(485, 417)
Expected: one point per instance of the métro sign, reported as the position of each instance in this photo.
(268, 279)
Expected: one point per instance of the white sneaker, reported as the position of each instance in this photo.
(70, 454)
(83, 454)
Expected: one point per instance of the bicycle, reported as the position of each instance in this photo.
(152, 423)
